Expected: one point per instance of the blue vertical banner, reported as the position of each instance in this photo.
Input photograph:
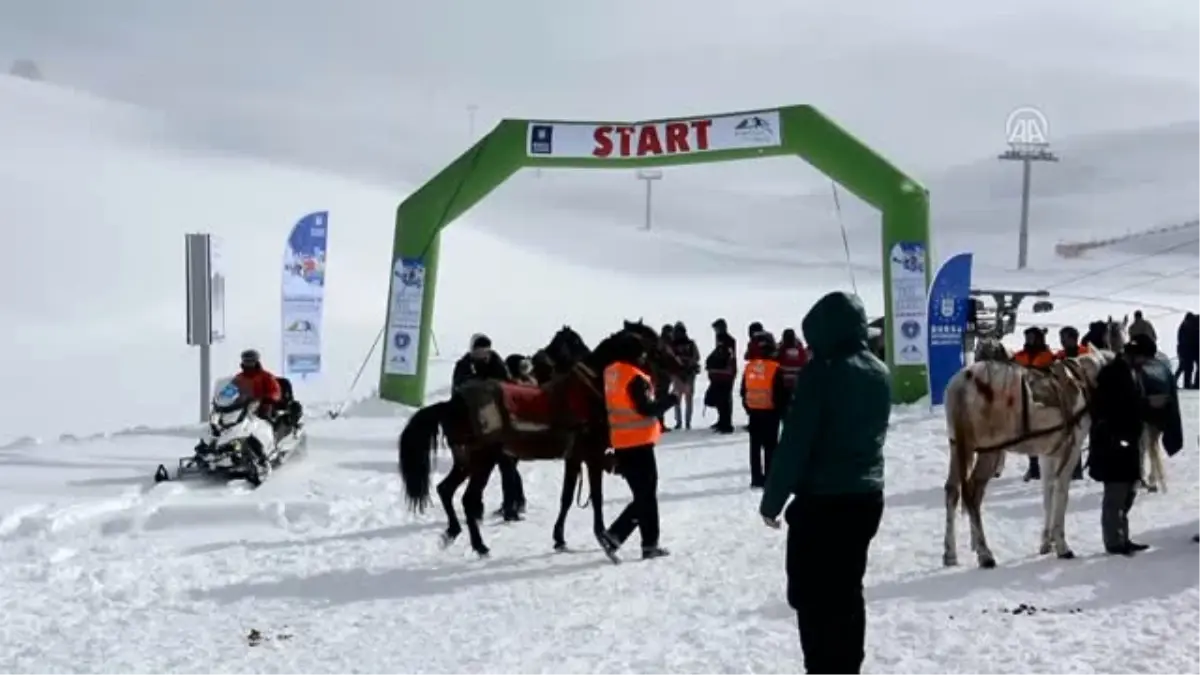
(949, 295)
(303, 295)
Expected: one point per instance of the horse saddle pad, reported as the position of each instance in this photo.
(1045, 388)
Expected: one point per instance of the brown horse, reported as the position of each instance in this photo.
(564, 419)
(993, 407)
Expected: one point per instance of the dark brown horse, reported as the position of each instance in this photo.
(563, 419)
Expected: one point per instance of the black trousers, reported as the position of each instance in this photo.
(1188, 369)
(639, 468)
(511, 485)
(828, 541)
(722, 400)
(764, 437)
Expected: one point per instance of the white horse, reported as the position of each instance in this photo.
(994, 407)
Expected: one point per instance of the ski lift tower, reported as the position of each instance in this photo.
(1028, 133)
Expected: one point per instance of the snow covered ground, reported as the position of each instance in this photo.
(103, 571)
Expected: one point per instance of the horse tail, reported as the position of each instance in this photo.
(418, 445)
(963, 445)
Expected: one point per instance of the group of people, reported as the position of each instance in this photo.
(1119, 412)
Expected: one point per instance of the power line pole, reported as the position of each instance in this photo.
(649, 175)
(1028, 142)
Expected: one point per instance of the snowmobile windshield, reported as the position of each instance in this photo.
(229, 406)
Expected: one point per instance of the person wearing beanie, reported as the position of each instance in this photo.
(721, 367)
(482, 362)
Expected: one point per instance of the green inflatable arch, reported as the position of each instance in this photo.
(516, 144)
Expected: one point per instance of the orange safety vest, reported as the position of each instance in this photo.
(1041, 360)
(627, 428)
(760, 380)
(1062, 353)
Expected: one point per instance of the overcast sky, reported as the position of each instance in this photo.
(363, 82)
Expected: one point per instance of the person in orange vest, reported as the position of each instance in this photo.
(1036, 353)
(633, 430)
(1068, 336)
(764, 397)
(792, 357)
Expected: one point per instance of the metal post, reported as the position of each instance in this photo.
(1027, 155)
(205, 382)
(649, 175)
(1023, 235)
(199, 311)
(649, 200)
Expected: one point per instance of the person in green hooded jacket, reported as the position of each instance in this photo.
(830, 456)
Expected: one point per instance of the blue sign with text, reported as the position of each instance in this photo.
(949, 298)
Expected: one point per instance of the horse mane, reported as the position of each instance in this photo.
(607, 351)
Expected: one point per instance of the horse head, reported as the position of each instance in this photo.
(658, 352)
(566, 348)
(991, 349)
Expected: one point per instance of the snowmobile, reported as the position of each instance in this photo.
(240, 443)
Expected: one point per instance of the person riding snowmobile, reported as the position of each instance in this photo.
(258, 383)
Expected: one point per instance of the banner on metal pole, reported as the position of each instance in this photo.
(198, 268)
(949, 298)
(216, 289)
(303, 295)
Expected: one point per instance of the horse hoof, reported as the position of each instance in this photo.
(448, 538)
(987, 564)
(483, 554)
(1045, 549)
(561, 547)
(1152, 488)
(949, 561)
(1066, 555)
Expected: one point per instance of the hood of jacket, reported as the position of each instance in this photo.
(836, 326)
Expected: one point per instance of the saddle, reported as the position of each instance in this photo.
(1053, 387)
(532, 422)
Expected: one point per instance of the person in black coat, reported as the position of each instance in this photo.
(1118, 415)
(483, 363)
(1187, 349)
(721, 366)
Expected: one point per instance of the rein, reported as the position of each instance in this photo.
(1077, 373)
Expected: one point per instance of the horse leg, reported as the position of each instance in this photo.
(446, 489)
(1048, 487)
(595, 469)
(473, 497)
(1149, 441)
(571, 468)
(1061, 479)
(953, 494)
(985, 468)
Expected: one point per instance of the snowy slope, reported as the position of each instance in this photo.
(103, 196)
(383, 92)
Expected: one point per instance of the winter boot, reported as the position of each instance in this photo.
(652, 552)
